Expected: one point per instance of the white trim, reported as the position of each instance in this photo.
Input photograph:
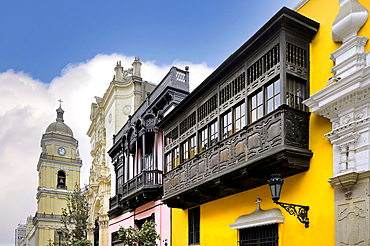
(300, 4)
(259, 217)
(61, 168)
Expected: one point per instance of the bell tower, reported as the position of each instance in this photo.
(59, 171)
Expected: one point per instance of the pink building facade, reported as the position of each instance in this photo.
(137, 157)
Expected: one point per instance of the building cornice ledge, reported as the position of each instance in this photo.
(344, 93)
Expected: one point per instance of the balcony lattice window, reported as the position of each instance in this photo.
(273, 96)
(176, 157)
(185, 151)
(192, 146)
(239, 113)
(295, 55)
(213, 133)
(189, 122)
(227, 126)
(207, 107)
(168, 159)
(233, 88)
(203, 139)
(265, 63)
(256, 110)
(295, 89)
(120, 180)
(171, 136)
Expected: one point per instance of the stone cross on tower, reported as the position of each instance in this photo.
(60, 102)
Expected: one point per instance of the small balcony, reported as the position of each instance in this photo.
(277, 142)
(143, 188)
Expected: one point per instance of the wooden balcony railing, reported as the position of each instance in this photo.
(278, 142)
(146, 180)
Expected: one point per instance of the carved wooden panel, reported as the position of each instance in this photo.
(282, 126)
(263, 79)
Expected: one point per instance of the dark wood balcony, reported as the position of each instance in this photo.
(145, 187)
(278, 142)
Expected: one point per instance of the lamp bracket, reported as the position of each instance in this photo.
(297, 210)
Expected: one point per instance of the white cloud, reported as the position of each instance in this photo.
(28, 107)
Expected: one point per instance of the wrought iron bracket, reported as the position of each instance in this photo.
(297, 210)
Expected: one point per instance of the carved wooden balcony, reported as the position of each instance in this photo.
(277, 142)
(145, 187)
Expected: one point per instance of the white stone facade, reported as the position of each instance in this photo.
(108, 114)
(346, 102)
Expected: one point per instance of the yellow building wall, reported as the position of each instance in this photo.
(310, 188)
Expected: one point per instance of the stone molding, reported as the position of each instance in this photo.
(259, 217)
(351, 17)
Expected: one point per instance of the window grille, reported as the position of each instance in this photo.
(171, 136)
(207, 107)
(233, 88)
(259, 236)
(188, 123)
(265, 63)
(194, 225)
(296, 55)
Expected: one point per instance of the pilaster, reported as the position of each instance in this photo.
(346, 102)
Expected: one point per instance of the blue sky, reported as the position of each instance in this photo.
(42, 37)
(68, 49)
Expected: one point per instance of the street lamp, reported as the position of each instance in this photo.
(59, 231)
(299, 211)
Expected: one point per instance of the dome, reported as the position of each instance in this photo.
(59, 126)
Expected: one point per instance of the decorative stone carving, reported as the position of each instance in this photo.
(351, 17)
(352, 220)
(126, 109)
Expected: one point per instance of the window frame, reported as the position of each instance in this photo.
(203, 147)
(228, 119)
(260, 235)
(194, 226)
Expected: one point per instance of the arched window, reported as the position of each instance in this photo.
(61, 180)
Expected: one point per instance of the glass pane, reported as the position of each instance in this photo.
(237, 125)
(260, 112)
(253, 99)
(237, 112)
(259, 98)
(242, 122)
(277, 87)
(254, 115)
(270, 105)
(270, 91)
(277, 101)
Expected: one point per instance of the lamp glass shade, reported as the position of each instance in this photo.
(275, 186)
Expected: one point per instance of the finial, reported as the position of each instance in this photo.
(60, 112)
(186, 68)
(258, 201)
(351, 17)
(60, 103)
